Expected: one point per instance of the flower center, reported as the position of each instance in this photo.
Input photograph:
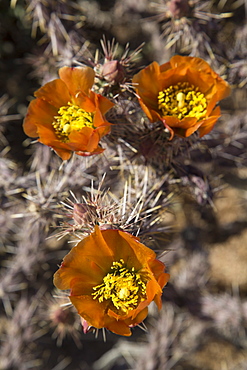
(124, 287)
(182, 100)
(71, 118)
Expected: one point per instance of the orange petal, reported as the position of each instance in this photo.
(223, 89)
(119, 246)
(179, 61)
(39, 112)
(64, 154)
(152, 289)
(170, 121)
(157, 300)
(93, 141)
(69, 275)
(78, 140)
(193, 62)
(91, 257)
(98, 150)
(163, 279)
(115, 315)
(185, 132)
(189, 131)
(94, 313)
(48, 137)
(147, 88)
(204, 82)
(142, 253)
(212, 103)
(77, 79)
(138, 318)
(99, 119)
(84, 284)
(209, 123)
(165, 67)
(85, 140)
(90, 309)
(85, 102)
(103, 128)
(119, 327)
(55, 93)
(131, 315)
(93, 102)
(186, 122)
(101, 102)
(172, 77)
(60, 281)
(150, 113)
(199, 64)
(157, 268)
(128, 248)
(95, 246)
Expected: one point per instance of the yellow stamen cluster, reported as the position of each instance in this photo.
(182, 100)
(124, 287)
(71, 118)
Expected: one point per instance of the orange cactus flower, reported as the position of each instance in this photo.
(67, 116)
(112, 279)
(182, 93)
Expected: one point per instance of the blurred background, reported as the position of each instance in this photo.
(200, 228)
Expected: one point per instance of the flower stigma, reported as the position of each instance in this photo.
(71, 118)
(182, 100)
(124, 287)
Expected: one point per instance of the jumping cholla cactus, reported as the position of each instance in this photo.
(123, 154)
(111, 276)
